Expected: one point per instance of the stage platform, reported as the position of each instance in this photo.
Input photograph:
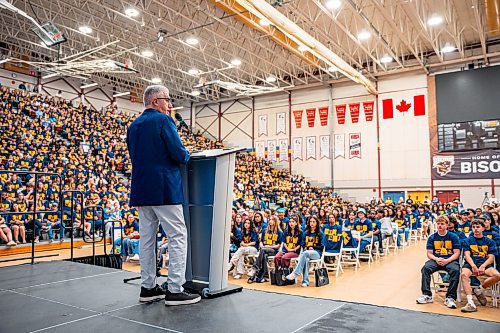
(62, 296)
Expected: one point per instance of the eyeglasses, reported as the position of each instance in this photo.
(168, 99)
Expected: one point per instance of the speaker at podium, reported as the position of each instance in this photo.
(208, 181)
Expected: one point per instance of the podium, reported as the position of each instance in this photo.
(208, 181)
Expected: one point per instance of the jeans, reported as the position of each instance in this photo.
(407, 234)
(125, 249)
(61, 230)
(260, 264)
(172, 221)
(133, 246)
(364, 243)
(453, 269)
(302, 267)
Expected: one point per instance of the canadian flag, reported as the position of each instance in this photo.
(403, 106)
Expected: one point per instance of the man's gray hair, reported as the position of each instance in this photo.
(151, 92)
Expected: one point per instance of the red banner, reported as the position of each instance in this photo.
(354, 109)
(323, 115)
(368, 107)
(311, 117)
(298, 118)
(340, 109)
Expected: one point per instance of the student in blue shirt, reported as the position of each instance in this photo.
(17, 224)
(443, 251)
(350, 221)
(411, 220)
(452, 227)
(248, 246)
(423, 220)
(464, 225)
(5, 233)
(53, 220)
(271, 239)
(332, 221)
(293, 241)
(365, 228)
(312, 251)
(403, 223)
(479, 255)
(491, 234)
(377, 233)
(235, 237)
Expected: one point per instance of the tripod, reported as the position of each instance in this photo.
(486, 200)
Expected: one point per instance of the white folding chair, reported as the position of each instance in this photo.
(367, 253)
(347, 253)
(336, 264)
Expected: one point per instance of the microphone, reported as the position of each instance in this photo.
(181, 121)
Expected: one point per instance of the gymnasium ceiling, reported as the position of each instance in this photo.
(398, 29)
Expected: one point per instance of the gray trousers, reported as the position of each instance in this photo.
(171, 218)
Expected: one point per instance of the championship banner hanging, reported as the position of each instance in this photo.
(271, 150)
(354, 145)
(324, 146)
(311, 117)
(297, 115)
(339, 145)
(283, 148)
(280, 122)
(340, 110)
(311, 147)
(263, 124)
(368, 108)
(483, 164)
(260, 149)
(354, 110)
(323, 115)
(297, 148)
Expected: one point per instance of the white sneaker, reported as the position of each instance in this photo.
(50, 241)
(11, 243)
(450, 302)
(292, 276)
(304, 285)
(424, 299)
(237, 276)
(61, 241)
(135, 257)
(469, 308)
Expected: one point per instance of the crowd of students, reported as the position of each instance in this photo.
(86, 151)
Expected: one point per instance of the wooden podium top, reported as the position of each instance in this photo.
(215, 152)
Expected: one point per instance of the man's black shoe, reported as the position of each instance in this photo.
(181, 298)
(151, 295)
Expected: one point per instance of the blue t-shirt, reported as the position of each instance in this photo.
(376, 225)
(443, 246)
(480, 248)
(332, 237)
(349, 241)
(363, 227)
(465, 228)
(421, 217)
(313, 240)
(349, 225)
(269, 238)
(250, 237)
(461, 236)
(411, 220)
(292, 241)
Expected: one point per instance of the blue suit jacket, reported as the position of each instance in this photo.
(157, 153)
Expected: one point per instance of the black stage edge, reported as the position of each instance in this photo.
(201, 289)
(66, 297)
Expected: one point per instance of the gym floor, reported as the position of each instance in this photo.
(393, 281)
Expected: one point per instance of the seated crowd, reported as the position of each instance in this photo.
(86, 152)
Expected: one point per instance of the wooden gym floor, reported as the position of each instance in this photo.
(392, 281)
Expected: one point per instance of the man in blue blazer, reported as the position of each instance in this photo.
(157, 152)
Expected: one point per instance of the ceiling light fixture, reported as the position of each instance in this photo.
(192, 41)
(195, 93)
(333, 4)
(434, 20)
(89, 85)
(448, 48)
(147, 53)
(131, 12)
(364, 35)
(85, 29)
(271, 79)
(156, 80)
(386, 59)
(263, 22)
(236, 62)
(122, 94)
(193, 71)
